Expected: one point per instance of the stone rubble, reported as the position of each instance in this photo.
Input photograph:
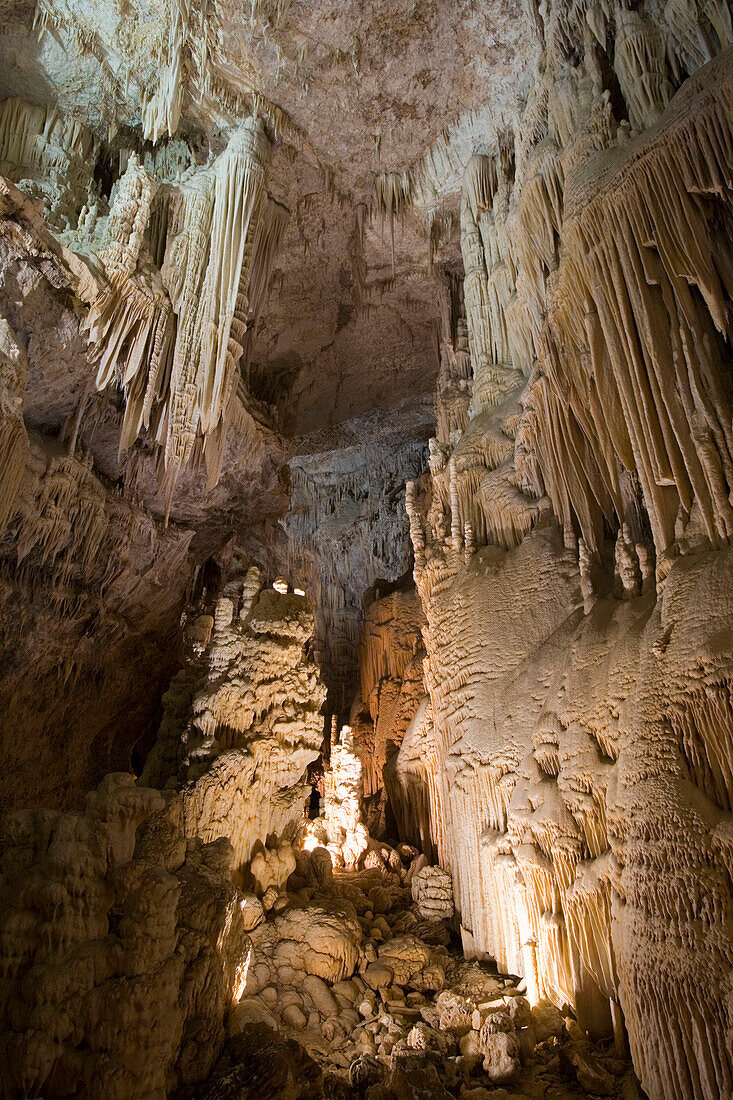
(385, 1008)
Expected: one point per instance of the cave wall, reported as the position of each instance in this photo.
(571, 758)
(556, 769)
(91, 584)
(347, 527)
(123, 946)
(102, 534)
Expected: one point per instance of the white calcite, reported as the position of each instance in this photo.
(343, 788)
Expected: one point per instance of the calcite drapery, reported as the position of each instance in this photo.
(572, 731)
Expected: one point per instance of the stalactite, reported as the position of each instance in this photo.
(261, 249)
(202, 384)
(394, 193)
(161, 111)
(653, 429)
(56, 153)
(173, 341)
(640, 65)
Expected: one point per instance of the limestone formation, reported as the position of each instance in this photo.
(176, 276)
(242, 724)
(432, 892)
(366, 549)
(348, 534)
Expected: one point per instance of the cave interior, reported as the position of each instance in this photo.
(366, 549)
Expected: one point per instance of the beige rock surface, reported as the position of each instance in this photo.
(251, 259)
(391, 683)
(564, 696)
(119, 959)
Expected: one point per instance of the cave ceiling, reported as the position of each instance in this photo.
(347, 91)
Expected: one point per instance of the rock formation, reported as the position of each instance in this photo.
(366, 520)
(121, 951)
(547, 787)
(241, 721)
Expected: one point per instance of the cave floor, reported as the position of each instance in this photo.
(414, 1020)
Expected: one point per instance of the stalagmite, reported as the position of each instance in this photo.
(346, 833)
(433, 893)
(239, 747)
(627, 565)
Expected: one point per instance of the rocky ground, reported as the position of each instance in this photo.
(351, 992)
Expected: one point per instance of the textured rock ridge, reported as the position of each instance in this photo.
(120, 955)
